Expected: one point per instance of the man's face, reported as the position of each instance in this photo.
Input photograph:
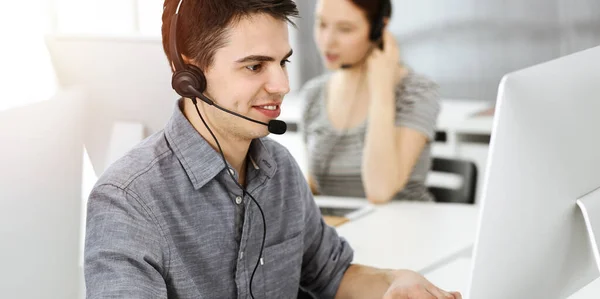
(248, 76)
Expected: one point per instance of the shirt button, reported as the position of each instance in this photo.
(232, 171)
(241, 255)
(238, 200)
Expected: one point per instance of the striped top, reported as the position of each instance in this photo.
(339, 174)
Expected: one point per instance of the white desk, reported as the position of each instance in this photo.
(453, 113)
(409, 235)
(432, 238)
(456, 275)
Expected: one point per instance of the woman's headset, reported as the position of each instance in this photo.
(377, 26)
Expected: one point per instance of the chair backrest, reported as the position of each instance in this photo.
(465, 169)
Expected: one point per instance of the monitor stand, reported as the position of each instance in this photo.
(590, 208)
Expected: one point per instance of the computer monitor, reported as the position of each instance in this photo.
(532, 239)
(41, 154)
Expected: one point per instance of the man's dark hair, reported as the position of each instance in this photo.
(202, 24)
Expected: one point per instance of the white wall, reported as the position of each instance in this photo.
(468, 45)
(128, 79)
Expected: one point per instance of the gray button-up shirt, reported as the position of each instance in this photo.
(165, 221)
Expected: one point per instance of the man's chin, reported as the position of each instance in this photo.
(254, 133)
(261, 133)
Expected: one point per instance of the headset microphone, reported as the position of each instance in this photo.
(274, 126)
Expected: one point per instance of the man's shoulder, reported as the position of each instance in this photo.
(136, 162)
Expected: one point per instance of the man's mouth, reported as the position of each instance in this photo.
(270, 111)
(269, 107)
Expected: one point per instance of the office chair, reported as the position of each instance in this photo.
(466, 169)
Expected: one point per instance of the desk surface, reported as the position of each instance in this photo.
(456, 275)
(410, 235)
(432, 238)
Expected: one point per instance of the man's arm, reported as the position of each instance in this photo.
(367, 282)
(327, 271)
(326, 256)
(124, 256)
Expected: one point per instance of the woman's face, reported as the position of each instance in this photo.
(341, 32)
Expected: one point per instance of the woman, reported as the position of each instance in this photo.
(368, 123)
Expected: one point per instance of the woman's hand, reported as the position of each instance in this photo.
(383, 66)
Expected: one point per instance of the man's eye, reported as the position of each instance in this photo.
(254, 67)
(284, 63)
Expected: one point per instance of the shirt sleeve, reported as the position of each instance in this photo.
(417, 104)
(123, 255)
(326, 256)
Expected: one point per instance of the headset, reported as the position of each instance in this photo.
(189, 82)
(376, 32)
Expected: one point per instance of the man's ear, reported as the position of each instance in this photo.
(186, 60)
(189, 61)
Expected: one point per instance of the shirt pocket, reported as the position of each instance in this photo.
(282, 268)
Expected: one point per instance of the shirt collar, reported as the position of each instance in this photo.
(201, 162)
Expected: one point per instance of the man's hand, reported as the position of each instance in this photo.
(411, 285)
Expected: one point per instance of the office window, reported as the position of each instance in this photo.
(96, 17)
(25, 62)
(149, 15)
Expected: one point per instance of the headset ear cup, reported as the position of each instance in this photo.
(376, 30)
(183, 79)
(379, 23)
(199, 74)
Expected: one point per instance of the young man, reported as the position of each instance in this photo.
(169, 221)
